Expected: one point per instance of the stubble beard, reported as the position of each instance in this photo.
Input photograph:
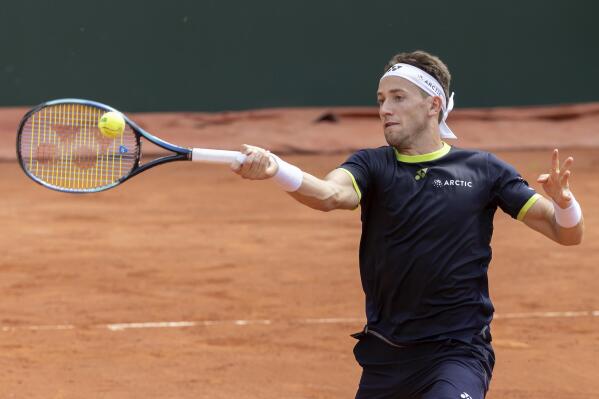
(402, 138)
(394, 139)
(398, 139)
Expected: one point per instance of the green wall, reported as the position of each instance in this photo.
(213, 55)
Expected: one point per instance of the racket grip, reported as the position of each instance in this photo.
(216, 156)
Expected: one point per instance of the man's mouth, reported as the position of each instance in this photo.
(387, 124)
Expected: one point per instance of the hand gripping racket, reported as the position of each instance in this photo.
(60, 146)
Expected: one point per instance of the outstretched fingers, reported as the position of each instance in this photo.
(565, 172)
(566, 165)
(543, 178)
(555, 162)
(564, 183)
(556, 173)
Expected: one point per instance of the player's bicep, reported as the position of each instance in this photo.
(346, 189)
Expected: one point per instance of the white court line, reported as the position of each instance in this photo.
(39, 328)
(180, 324)
(536, 315)
(241, 322)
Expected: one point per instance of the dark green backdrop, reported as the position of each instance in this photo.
(214, 55)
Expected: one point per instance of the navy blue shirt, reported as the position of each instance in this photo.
(427, 222)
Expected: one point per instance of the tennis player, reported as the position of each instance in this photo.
(427, 220)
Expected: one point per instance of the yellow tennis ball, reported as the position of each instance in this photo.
(112, 124)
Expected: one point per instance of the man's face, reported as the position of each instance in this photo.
(403, 109)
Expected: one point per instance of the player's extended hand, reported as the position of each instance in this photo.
(258, 165)
(555, 183)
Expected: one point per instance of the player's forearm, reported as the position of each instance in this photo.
(335, 191)
(318, 194)
(566, 227)
(546, 219)
(569, 236)
(568, 222)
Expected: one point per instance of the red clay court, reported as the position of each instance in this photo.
(187, 282)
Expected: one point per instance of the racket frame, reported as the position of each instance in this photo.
(179, 153)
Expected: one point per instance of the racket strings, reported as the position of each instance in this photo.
(62, 146)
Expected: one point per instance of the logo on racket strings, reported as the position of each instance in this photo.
(123, 149)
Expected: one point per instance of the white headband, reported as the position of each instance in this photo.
(431, 86)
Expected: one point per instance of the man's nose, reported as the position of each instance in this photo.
(385, 109)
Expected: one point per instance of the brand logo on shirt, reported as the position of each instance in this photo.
(451, 182)
(464, 395)
(421, 173)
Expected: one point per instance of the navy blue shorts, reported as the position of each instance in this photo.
(447, 369)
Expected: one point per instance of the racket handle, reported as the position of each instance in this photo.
(216, 156)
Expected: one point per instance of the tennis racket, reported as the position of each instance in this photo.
(61, 147)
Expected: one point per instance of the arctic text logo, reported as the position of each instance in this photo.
(456, 183)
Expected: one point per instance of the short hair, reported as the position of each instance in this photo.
(429, 63)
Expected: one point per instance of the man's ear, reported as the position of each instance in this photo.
(435, 106)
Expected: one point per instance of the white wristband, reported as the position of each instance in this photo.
(570, 216)
(288, 176)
